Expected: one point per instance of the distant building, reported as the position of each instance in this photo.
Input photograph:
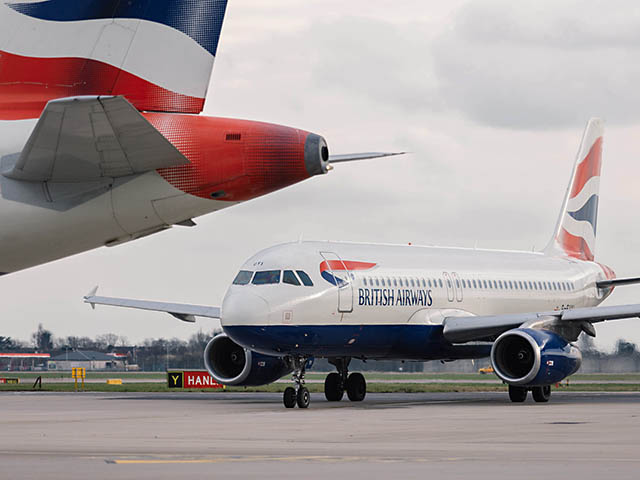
(23, 361)
(86, 359)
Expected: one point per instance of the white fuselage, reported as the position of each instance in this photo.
(36, 230)
(394, 286)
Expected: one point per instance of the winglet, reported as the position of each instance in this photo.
(88, 296)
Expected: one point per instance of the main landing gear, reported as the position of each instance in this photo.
(336, 383)
(300, 394)
(540, 394)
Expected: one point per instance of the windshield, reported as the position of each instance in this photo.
(243, 277)
(306, 281)
(266, 277)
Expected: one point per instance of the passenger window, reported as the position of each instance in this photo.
(424, 284)
(474, 284)
(306, 281)
(364, 281)
(290, 278)
(440, 282)
(243, 277)
(267, 277)
(382, 281)
(457, 283)
(464, 283)
(484, 283)
(412, 284)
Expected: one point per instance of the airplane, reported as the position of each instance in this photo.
(100, 138)
(298, 301)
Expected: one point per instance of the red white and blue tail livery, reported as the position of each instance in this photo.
(576, 232)
(158, 54)
(524, 310)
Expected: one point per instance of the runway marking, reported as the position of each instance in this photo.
(259, 458)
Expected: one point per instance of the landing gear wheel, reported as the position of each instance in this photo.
(289, 397)
(333, 388)
(356, 387)
(303, 397)
(541, 394)
(517, 394)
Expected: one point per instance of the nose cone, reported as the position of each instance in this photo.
(245, 308)
(316, 155)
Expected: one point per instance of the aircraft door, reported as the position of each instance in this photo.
(337, 273)
(449, 284)
(458, 286)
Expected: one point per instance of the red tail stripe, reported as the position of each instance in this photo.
(28, 83)
(575, 247)
(589, 168)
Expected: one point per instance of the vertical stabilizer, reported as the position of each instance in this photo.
(157, 53)
(575, 233)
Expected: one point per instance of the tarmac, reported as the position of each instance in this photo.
(251, 435)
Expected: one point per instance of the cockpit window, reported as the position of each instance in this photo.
(267, 277)
(306, 281)
(289, 277)
(243, 277)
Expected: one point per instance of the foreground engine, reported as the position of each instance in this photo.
(231, 364)
(527, 358)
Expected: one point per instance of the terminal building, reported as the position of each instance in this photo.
(86, 359)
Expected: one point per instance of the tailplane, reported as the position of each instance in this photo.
(575, 234)
(157, 53)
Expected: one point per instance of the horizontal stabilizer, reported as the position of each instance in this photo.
(84, 139)
(186, 313)
(350, 157)
(618, 282)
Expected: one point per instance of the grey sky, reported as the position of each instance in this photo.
(491, 97)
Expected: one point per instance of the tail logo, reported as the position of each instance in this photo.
(577, 236)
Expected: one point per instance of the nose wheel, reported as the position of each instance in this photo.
(300, 394)
(338, 382)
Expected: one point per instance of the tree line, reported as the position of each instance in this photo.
(157, 354)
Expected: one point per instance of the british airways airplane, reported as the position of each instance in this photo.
(100, 141)
(293, 302)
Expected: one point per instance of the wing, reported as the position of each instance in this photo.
(568, 323)
(84, 139)
(361, 156)
(186, 313)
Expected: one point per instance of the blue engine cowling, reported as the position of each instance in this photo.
(529, 358)
(231, 364)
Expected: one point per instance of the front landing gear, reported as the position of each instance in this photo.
(300, 394)
(338, 382)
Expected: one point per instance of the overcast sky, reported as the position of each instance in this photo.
(491, 96)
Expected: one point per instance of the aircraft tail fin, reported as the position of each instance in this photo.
(575, 233)
(157, 53)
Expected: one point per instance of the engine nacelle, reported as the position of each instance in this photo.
(528, 357)
(231, 364)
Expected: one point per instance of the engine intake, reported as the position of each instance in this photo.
(528, 357)
(231, 364)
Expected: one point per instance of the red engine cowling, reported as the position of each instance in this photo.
(236, 160)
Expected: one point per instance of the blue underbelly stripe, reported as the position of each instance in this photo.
(411, 342)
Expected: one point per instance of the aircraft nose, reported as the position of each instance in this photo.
(316, 155)
(244, 308)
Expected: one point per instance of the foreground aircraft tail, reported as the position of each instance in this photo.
(157, 53)
(575, 233)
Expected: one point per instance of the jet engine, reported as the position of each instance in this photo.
(231, 364)
(527, 357)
